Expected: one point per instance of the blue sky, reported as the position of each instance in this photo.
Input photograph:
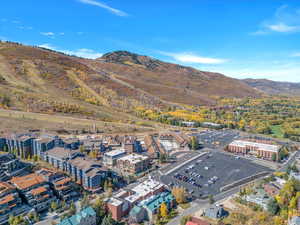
(240, 38)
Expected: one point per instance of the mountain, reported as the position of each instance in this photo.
(274, 87)
(34, 79)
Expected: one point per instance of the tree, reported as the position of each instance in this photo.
(99, 208)
(81, 148)
(72, 209)
(273, 207)
(194, 143)
(163, 210)
(274, 157)
(211, 199)
(53, 205)
(180, 194)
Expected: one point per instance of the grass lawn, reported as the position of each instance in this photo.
(276, 130)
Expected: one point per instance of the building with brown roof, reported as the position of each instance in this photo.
(63, 186)
(10, 202)
(35, 190)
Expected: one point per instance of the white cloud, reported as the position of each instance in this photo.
(281, 27)
(49, 34)
(191, 58)
(82, 52)
(104, 6)
(284, 20)
(25, 28)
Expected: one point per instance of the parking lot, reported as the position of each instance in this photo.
(206, 175)
(216, 138)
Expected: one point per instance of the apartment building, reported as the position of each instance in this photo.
(110, 158)
(153, 203)
(262, 150)
(62, 185)
(35, 191)
(121, 203)
(133, 164)
(21, 144)
(2, 143)
(45, 143)
(10, 166)
(10, 202)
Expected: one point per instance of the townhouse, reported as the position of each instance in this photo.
(35, 190)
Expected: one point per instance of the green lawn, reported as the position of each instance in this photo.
(276, 130)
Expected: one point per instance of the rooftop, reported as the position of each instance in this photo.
(61, 153)
(133, 158)
(77, 218)
(5, 187)
(38, 190)
(144, 189)
(7, 199)
(115, 202)
(27, 181)
(115, 153)
(261, 146)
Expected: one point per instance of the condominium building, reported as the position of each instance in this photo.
(145, 190)
(10, 166)
(62, 185)
(35, 191)
(133, 164)
(110, 158)
(21, 144)
(267, 151)
(45, 143)
(128, 199)
(10, 202)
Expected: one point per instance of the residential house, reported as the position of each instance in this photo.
(215, 212)
(260, 198)
(86, 216)
(35, 191)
